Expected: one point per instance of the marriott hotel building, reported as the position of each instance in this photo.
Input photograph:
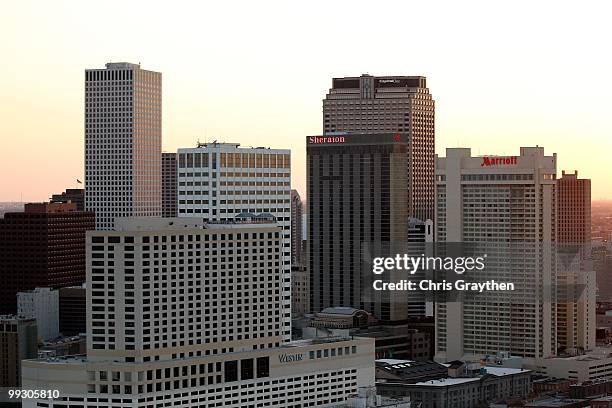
(507, 204)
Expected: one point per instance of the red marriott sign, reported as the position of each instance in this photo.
(325, 139)
(497, 161)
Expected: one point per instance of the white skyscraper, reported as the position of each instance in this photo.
(122, 142)
(219, 181)
(506, 204)
(183, 312)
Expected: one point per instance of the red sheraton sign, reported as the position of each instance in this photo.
(497, 161)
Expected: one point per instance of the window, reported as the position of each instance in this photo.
(246, 369)
(263, 367)
(231, 371)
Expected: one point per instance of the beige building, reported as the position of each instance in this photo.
(185, 312)
(507, 205)
(122, 142)
(384, 104)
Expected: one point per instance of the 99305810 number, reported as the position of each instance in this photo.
(33, 394)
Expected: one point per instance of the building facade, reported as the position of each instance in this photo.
(296, 228)
(72, 310)
(71, 195)
(188, 313)
(18, 341)
(219, 181)
(507, 204)
(576, 317)
(358, 195)
(43, 246)
(41, 304)
(122, 142)
(384, 104)
(494, 384)
(169, 185)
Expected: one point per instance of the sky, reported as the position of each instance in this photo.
(503, 75)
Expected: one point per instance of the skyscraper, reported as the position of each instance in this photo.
(383, 104)
(219, 181)
(576, 318)
(574, 204)
(44, 246)
(188, 313)
(296, 228)
(122, 142)
(507, 204)
(358, 193)
(169, 184)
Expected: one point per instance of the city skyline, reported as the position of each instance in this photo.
(499, 81)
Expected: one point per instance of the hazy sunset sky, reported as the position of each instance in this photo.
(503, 76)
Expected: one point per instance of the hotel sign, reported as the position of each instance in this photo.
(290, 358)
(325, 139)
(488, 161)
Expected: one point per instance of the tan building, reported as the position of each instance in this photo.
(18, 341)
(122, 142)
(382, 104)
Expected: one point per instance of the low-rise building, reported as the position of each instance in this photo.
(491, 385)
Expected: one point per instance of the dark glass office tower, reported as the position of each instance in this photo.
(358, 192)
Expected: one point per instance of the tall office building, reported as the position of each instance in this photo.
(44, 246)
(122, 142)
(296, 228)
(169, 184)
(576, 317)
(41, 304)
(358, 193)
(507, 205)
(383, 104)
(219, 181)
(18, 341)
(187, 313)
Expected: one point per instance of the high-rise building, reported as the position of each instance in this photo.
(71, 195)
(506, 204)
(188, 313)
(574, 209)
(383, 104)
(358, 193)
(18, 341)
(576, 317)
(169, 183)
(123, 114)
(44, 246)
(219, 181)
(72, 310)
(41, 304)
(296, 228)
